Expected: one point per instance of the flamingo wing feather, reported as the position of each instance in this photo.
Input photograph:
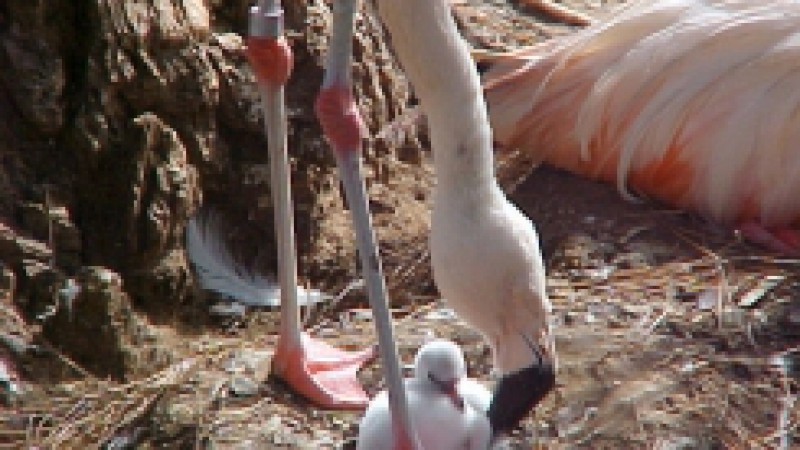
(694, 102)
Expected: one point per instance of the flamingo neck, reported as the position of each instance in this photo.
(438, 63)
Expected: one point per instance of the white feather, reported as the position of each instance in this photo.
(218, 272)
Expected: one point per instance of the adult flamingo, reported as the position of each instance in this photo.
(322, 373)
(478, 238)
(693, 102)
(344, 130)
(485, 252)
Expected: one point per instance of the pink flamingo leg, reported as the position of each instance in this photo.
(320, 372)
(344, 128)
(783, 240)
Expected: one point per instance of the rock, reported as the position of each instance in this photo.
(733, 317)
(163, 289)
(122, 109)
(171, 419)
(126, 439)
(102, 333)
(243, 386)
(228, 310)
(36, 69)
(65, 235)
(8, 283)
(39, 287)
(779, 320)
(687, 443)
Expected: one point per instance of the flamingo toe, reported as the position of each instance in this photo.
(323, 374)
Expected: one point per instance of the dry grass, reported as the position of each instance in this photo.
(646, 360)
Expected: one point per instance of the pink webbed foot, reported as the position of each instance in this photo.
(783, 240)
(323, 374)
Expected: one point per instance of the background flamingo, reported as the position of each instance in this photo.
(693, 102)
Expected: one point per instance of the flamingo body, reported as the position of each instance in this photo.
(693, 102)
(484, 251)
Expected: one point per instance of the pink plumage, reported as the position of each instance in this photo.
(693, 102)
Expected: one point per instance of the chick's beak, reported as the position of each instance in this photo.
(450, 389)
(452, 392)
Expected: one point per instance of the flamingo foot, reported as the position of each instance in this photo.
(783, 240)
(323, 374)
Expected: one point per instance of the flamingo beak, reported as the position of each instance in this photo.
(517, 393)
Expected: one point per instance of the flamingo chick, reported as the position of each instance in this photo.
(485, 252)
(445, 417)
(692, 102)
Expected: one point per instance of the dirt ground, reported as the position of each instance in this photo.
(671, 334)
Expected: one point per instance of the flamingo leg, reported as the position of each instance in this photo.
(320, 372)
(558, 12)
(344, 129)
(783, 240)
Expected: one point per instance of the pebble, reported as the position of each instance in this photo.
(441, 314)
(228, 309)
(242, 386)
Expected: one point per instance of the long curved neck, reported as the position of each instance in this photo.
(438, 64)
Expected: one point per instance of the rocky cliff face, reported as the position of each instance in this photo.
(118, 120)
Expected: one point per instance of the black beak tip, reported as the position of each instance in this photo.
(518, 393)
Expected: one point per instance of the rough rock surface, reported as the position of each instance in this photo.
(118, 119)
(94, 323)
